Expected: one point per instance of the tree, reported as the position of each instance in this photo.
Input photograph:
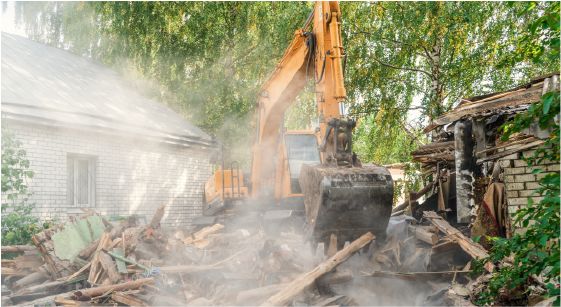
(536, 251)
(206, 60)
(436, 52)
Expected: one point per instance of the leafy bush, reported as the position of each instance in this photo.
(18, 223)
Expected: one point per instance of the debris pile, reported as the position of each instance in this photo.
(87, 261)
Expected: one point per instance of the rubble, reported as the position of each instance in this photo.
(427, 261)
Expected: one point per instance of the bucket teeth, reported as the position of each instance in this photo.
(348, 202)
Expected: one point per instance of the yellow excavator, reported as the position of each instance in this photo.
(308, 173)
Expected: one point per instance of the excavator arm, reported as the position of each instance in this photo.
(316, 54)
(337, 193)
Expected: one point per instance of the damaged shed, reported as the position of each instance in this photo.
(486, 169)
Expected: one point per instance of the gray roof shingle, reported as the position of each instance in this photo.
(41, 83)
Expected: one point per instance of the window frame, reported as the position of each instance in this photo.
(91, 182)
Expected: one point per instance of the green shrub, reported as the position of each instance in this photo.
(19, 225)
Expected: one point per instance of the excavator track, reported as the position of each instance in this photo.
(346, 201)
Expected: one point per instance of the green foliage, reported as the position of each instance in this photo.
(391, 144)
(18, 223)
(536, 251)
(539, 42)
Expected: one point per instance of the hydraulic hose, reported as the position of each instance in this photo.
(322, 68)
(311, 49)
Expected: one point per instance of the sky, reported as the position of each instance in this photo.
(8, 25)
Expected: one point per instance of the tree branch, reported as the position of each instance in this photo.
(411, 134)
(403, 68)
(411, 85)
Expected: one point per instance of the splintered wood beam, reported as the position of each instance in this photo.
(20, 249)
(155, 222)
(306, 279)
(472, 248)
(423, 235)
(95, 267)
(203, 233)
(109, 265)
(86, 252)
(128, 300)
(97, 291)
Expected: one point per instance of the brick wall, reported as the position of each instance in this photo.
(520, 182)
(132, 176)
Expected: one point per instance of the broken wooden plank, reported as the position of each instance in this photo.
(18, 249)
(28, 279)
(306, 279)
(510, 151)
(473, 249)
(97, 291)
(95, 266)
(110, 266)
(445, 246)
(433, 147)
(338, 277)
(83, 269)
(433, 157)
(128, 300)
(87, 251)
(155, 222)
(203, 233)
(423, 235)
(15, 272)
(526, 96)
(46, 287)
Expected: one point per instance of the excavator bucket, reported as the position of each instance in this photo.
(346, 201)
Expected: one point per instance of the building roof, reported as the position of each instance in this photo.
(514, 100)
(50, 86)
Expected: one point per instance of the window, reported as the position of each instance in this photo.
(301, 148)
(80, 181)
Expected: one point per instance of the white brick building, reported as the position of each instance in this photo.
(92, 140)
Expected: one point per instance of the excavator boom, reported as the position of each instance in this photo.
(315, 172)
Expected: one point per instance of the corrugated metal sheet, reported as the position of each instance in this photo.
(51, 85)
